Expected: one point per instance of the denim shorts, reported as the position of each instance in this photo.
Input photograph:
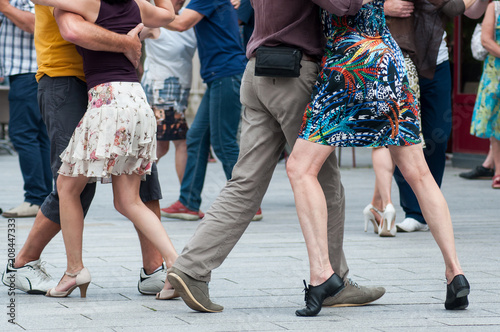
(63, 102)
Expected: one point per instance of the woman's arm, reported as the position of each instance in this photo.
(156, 16)
(88, 9)
(488, 31)
(78, 31)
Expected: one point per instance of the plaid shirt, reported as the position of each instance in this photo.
(17, 48)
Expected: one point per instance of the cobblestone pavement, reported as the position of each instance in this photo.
(260, 283)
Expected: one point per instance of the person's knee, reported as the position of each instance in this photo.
(293, 168)
(120, 204)
(62, 186)
(416, 174)
(123, 204)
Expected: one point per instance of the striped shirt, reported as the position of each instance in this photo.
(17, 48)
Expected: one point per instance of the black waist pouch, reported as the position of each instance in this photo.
(278, 61)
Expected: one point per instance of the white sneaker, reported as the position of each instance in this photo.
(31, 278)
(411, 225)
(150, 284)
(24, 210)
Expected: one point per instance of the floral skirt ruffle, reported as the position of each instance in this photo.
(117, 134)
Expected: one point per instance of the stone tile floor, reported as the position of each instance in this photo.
(260, 283)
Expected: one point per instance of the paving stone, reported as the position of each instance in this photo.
(260, 283)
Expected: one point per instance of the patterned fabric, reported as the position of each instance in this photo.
(362, 96)
(172, 125)
(117, 134)
(17, 47)
(486, 117)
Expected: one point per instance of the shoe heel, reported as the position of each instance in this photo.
(83, 289)
(369, 216)
(388, 224)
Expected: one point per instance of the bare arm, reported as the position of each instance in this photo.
(76, 30)
(22, 19)
(454, 8)
(88, 9)
(488, 31)
(185, 21)
(476, 9)
(151, 33)
(155, 16)
(398, 8)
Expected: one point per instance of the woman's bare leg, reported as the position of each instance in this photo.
(383, 166)
(71, 212)
(495, 154)
(180, 157)
(410, 160)
(303, 166)
(128, 203)
(489, 161)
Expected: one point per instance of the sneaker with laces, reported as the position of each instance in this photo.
(354, 295)
(179, 211)
(30, 278)
(25, 210)
(478, 173)
(151, 284)
(258, 216)
(411, 225)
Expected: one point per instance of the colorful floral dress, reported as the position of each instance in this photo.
(362, 96)
(486, 117)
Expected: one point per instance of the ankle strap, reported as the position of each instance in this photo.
(71, 274)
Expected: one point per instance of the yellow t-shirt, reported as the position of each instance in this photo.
(55, 56)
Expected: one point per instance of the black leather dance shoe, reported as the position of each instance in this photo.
(315, 295)
(456, 293)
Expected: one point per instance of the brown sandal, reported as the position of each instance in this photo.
(496, 182)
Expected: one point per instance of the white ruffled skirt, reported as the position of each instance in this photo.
(117, 134)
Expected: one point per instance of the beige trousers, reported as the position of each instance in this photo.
(272, 116)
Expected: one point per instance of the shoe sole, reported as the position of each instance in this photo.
(478, 178)
(186, 295)
(181, 216)
(352, 304)
(349, 304)
(257, 218)
(145, 293)
(399, 229)
(15, 215)
(35, 292)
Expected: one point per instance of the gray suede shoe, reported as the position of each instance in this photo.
(193, 292)
(354, 295)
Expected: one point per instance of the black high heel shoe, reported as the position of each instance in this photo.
(315, 295)
(456, 293)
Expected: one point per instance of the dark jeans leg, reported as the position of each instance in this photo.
(29, 136)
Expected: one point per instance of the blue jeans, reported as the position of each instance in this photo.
(216, 123)
(29, 136)
(436, 127)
